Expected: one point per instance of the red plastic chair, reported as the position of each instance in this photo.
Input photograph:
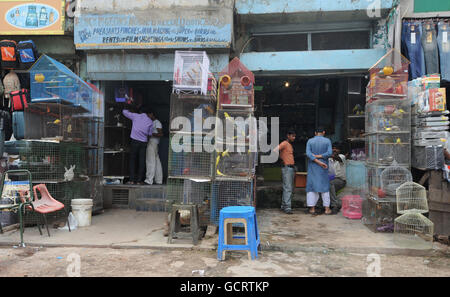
(46, 204)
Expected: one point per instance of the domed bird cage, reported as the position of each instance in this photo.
(413, 230)
(411, 198)
(236, 86)
(389, 76)
(393, 177)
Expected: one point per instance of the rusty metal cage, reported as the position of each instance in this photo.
(379, 214)
(194, 108)
(188, 191)
(229, 192)
(48, 160)
(188, 157)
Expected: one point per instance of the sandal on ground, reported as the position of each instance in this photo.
(328, 213)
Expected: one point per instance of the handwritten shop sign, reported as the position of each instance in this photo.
(154, 30)
(31, 17)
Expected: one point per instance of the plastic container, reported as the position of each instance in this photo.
(352, 206)
(300, 179)
(82, 211)
(355, 173)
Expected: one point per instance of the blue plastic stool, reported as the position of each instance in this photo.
(243, 215)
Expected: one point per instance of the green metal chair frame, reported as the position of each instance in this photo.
(20, 207)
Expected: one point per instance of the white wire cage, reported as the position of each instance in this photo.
(393, 177)
(414, 231)
(388, 115)
(411, 198)
(385, 148)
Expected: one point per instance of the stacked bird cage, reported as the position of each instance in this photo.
(388, 139)
(236, 147)
(191, 149)
(412, 228)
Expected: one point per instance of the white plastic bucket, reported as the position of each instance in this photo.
(82, 211)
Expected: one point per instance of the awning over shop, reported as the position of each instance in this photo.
(312, 62)
(129, 66)
(288, 11)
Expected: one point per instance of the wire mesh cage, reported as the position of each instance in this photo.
(414, 231)
(388, 116)
(191, 71)
(379, 214)
(189, 158)
(51, 81)
(373, 181)
(196, 108)
(187, 191)
(385, 148)
(411, 197)
(48, 160)
(236, 164)
(393, 177)
(389, 75)
(230, 193)
(235, 127)
(428, 157)
(236, 86)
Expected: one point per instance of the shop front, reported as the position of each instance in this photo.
(133, 51)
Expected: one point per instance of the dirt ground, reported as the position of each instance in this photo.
(54, 262)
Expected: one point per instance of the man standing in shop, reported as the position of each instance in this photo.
(154, 169)
(141, 130)
(318, 150)
(337, 161)
(286, 151)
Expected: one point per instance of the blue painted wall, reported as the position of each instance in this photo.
(312, 61)
(296, 6)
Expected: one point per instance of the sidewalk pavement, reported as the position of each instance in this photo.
(125, 228)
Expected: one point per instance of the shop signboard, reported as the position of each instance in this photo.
(158, 28)
(38, 17)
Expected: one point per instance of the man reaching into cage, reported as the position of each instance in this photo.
(142, 128)
(286, 151)
(318, 150)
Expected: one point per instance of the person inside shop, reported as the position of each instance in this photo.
(153, 163)
(318, 150)
(142, 128)
(286, 151)
(337, 162)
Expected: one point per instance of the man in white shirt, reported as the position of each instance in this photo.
(337, 160)
(154, 169)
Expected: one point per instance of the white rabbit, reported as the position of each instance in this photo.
(69, 174)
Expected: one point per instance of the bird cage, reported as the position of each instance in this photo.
(352, 206)
(235, 127)
(188, 191)
(236, 84)
(379, 214)
(228, 192)
(389, 76)
(188, 157)
(393, 177)
(52, 82)
(195, 108)
(428, 156)
(414, 231)
(385, 148)
(411, 197)
(388, 115)
(190, 73)
(235, 164)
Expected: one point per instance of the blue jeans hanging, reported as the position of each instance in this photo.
(412, 40)
(444, 49)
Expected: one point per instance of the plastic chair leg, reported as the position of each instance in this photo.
(46, 225)
(67, 216)
(220, 251)
(21, 225)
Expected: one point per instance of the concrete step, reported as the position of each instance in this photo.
(143, 204)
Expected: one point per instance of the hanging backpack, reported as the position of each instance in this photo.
(8, 54)
(19, 100)
(27, 53)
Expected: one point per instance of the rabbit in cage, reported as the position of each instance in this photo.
(69, 174)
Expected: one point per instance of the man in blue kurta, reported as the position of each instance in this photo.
(318, 150)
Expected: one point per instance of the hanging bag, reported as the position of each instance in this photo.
(19, 100)
(8, 54)
(27, 53)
